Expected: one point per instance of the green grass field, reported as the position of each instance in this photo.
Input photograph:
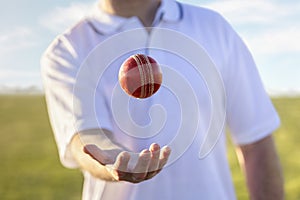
(30, 168)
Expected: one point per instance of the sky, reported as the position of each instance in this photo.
(270, 28)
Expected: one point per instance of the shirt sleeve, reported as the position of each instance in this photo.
(69, 111)
(251, 115)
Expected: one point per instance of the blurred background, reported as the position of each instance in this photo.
(30, 168)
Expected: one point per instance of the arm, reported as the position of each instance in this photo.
(95, 152)
(263, 171)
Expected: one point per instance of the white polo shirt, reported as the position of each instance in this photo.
(79, 97)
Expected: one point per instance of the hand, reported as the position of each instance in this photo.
(145, 165)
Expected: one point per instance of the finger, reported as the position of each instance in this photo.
(97, 154)
(141, 168)
(164, 156)
(120, 167)
(163, 159)
(154, 162)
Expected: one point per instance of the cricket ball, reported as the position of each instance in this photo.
(140, 76)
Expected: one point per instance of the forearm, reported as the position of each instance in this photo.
(85, 161)
(263, 171)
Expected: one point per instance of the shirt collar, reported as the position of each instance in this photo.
(171, 11)
(104, 23)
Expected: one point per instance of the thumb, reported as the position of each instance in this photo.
(98, 154)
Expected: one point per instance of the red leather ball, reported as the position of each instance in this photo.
(140, 76)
